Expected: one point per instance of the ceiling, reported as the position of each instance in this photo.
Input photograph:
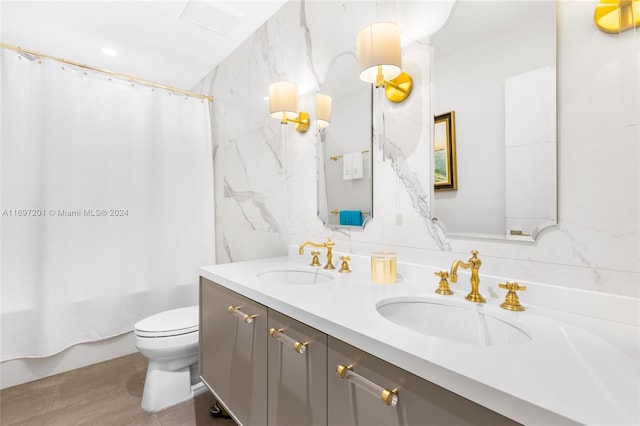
(170, 42)
(463, 28)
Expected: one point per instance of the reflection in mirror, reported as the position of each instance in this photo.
(344, 148)
(494, 64)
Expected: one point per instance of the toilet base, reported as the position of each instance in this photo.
(163, 388)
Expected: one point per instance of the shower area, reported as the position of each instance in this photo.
(106, 204)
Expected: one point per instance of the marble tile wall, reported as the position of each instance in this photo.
(262, 205)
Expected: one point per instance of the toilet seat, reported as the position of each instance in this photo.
(169, 323)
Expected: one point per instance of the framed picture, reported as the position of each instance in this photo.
(444, 152)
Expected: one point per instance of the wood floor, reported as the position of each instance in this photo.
(105, 394)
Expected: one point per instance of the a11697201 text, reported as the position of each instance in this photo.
(65, 212)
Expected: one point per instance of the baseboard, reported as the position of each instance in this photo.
(19, 371)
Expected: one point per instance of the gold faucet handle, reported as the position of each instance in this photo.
(315, 261)
(512, 286)
(443, 285)
(344, 267)
(512, 302)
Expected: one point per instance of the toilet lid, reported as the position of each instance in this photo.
(169, 323)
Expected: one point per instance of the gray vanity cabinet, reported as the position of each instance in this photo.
(419, 402)
(297, 377)
(251, 359)
(233, 351)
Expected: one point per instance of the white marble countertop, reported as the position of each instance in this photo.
(576, 368)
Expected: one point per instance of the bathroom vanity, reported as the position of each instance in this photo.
(282, 343)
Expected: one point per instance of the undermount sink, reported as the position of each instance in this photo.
(296, 276)
(451, 321)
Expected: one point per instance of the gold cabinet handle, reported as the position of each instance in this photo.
(389, 397)
(235, 311)
(277, 334)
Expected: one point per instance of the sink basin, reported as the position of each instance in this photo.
(296, 276)
(452, 321)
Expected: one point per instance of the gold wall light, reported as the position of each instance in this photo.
(380, 60)
(323, 110)
(283, 105)
(616, 16)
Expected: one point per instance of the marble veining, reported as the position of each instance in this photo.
(594, 247)
(414, 189)
(308, 42)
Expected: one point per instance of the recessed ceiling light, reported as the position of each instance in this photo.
(109, 51)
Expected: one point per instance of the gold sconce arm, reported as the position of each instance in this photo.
(397, 89)
(302, 121)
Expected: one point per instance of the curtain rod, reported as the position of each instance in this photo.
(109, 73)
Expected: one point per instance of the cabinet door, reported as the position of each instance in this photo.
(297, 381)
(233, 352)
(419, 401)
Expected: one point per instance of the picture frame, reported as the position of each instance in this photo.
(445, 173)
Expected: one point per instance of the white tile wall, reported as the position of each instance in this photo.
(259, 210)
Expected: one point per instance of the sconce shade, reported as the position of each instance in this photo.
(283, 99)
(323, 110)
(378, 45)
(616, 16)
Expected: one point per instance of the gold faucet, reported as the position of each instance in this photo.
(443, 285)
(512, 302)
(344, 266)
(327, 244)
(474, 263)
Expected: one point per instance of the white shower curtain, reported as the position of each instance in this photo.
(107, 204)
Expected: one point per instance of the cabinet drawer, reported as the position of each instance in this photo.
(419, 402)
(233, 352)
(297, 381)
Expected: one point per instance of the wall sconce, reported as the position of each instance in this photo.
(380, 60)
(323, 110)
(616, 16)
(283, 105)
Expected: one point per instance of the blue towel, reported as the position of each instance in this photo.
(351, 217)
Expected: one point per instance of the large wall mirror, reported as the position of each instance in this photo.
(345, 181)
(494, 66)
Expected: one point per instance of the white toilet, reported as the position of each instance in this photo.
(170, 341)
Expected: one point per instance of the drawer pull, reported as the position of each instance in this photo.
(277, 334)
(235, 311)
(389, 397)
